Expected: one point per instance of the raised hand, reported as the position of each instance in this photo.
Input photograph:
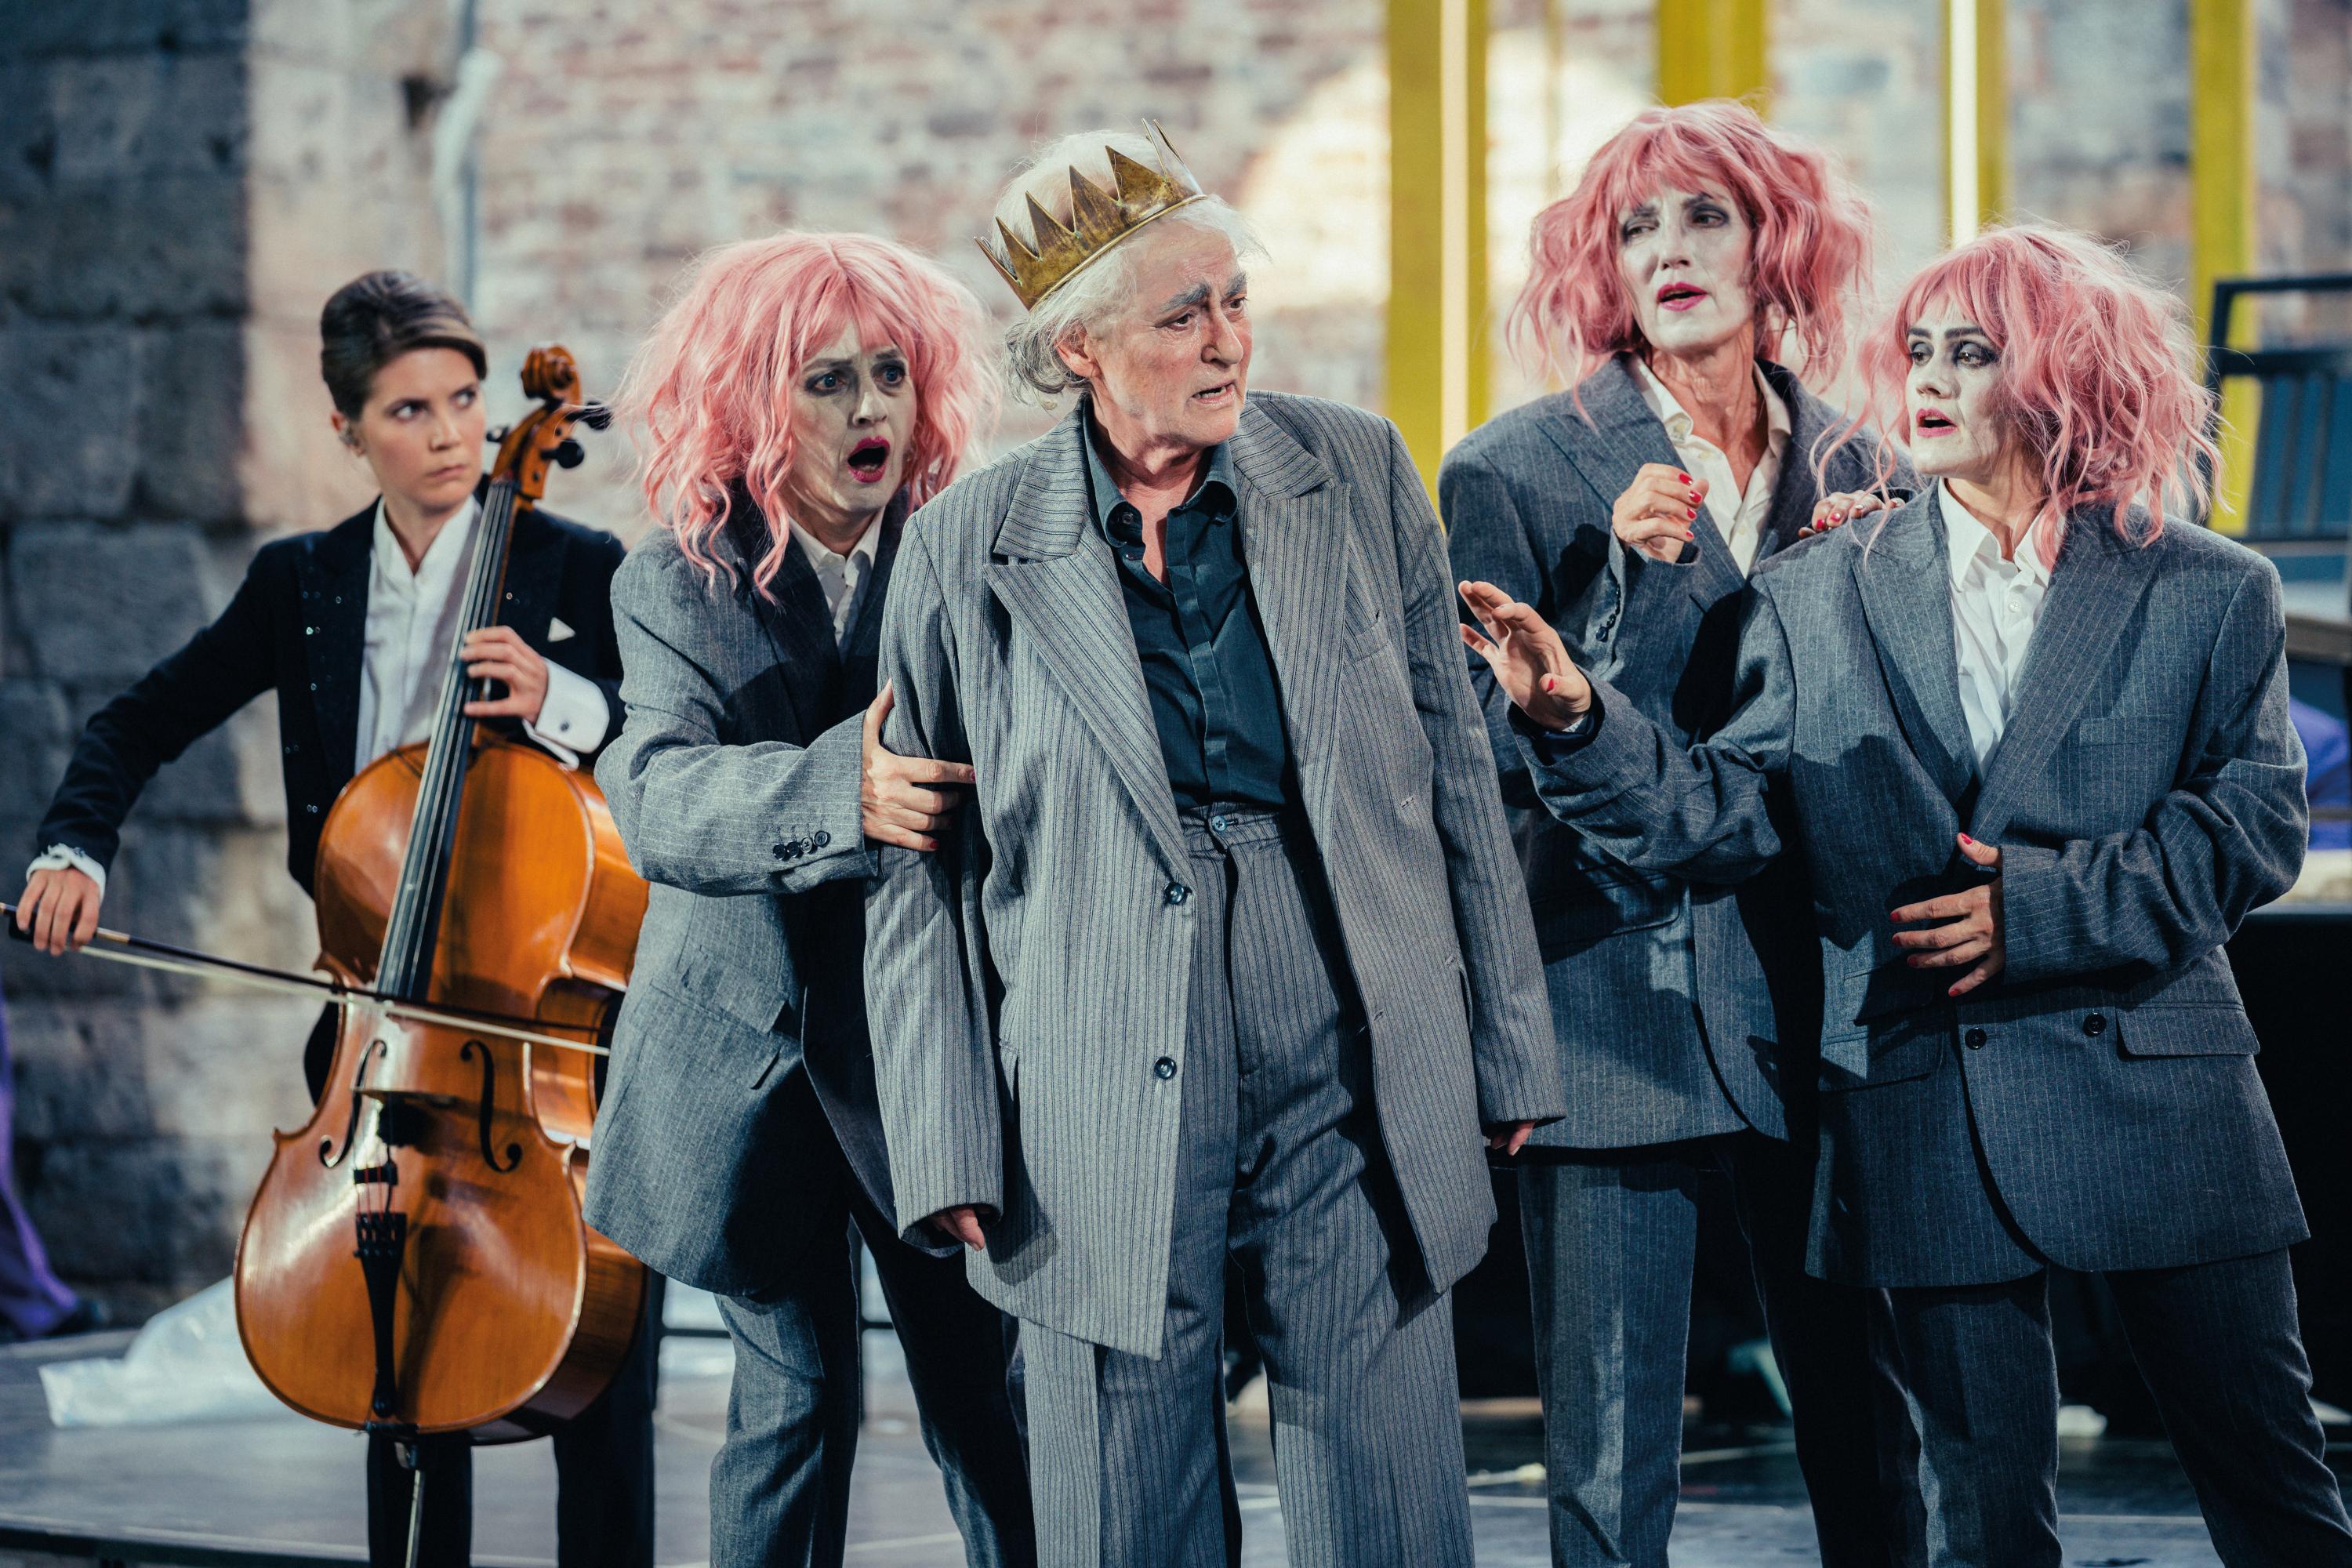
(900, 799)
(1530, 661)
(1658, 513)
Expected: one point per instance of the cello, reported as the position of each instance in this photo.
(414, 1261)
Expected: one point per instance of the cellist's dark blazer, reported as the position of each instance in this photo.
(297, 625)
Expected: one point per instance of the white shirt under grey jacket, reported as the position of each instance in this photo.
(1996, 605)
(1738, 514)
(412, 626)
(843, 578)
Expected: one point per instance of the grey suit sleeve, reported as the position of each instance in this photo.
(1510, 1021)
(1635, 793)
(1487, 541)
(2229, 836)
(699, 814)
(934, 1060)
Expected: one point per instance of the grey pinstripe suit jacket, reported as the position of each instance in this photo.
(734, 782)
(1023, 984)
(2146, 793)
(1678, 1007)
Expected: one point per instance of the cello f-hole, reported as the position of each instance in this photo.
(488, 1103)
(327, 1157)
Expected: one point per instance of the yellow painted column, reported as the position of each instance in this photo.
(1715, 49)
(1976, 116)
(2224, 191)
(1437, 224)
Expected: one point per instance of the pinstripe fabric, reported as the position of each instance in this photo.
(2148, 793)
(1280, 1164)
(1675, 1003)
(1045, 960)
(2219, 1346)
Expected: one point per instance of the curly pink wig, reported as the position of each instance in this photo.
(711, 389)
(1809, 246)
(2101, 372)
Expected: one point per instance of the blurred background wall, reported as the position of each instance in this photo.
(183, 182)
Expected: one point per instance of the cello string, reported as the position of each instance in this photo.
(408, 1012)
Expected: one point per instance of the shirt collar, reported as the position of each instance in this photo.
(1966, 540)
(1216, 491)
(820, 557)
(1778, 424)
(449, 543)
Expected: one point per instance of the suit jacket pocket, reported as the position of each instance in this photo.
(689, 1151)
(2175, 1031)
(1897, 1051)
(1583, 901)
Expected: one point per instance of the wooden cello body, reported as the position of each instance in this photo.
(414, 1261)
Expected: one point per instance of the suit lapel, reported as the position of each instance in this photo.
(1055, 577)
(798, 626)
(1624, 434)
(1296, 554)
(534, 571)
(1795, 491)
(1905, 582)
(861, 654)
(2094, 589)
(335, 588)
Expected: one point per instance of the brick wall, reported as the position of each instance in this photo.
(182, 183)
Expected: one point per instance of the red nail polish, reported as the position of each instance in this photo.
(1966, 839)
(1685, 478)
(1692, 513)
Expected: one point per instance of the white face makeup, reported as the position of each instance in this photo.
(853, 412)
(1952, 399)
(1172, 368)
(1682, 255)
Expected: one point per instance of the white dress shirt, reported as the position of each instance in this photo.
(410, 635)
(1996, 605)
(1738, 514)
(842, 577)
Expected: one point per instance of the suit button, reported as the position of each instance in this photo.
(1164, 1067)
(1177, 893)
(1216, 824)
(780, 851)
(1974, 1039)
(821, 838)
(2095, 1025)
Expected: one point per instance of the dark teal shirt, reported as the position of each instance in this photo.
(1206, 665)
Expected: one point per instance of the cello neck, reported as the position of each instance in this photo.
(406, 965)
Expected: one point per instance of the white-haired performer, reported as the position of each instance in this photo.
(1228, 956)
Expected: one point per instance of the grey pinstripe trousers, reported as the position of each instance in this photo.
(1281, 1166)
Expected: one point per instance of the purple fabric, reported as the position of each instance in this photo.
(33, 1300)
(2330, 780)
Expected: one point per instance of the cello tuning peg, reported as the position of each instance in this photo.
(500, 433)
(596, 416)
(568, 454)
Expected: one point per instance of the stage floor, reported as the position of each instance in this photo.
(284, 1490)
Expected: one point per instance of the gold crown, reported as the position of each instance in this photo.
(1098, 219)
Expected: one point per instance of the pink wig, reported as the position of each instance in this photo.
(2101, 372)
(1809, 246)
(711, 389)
